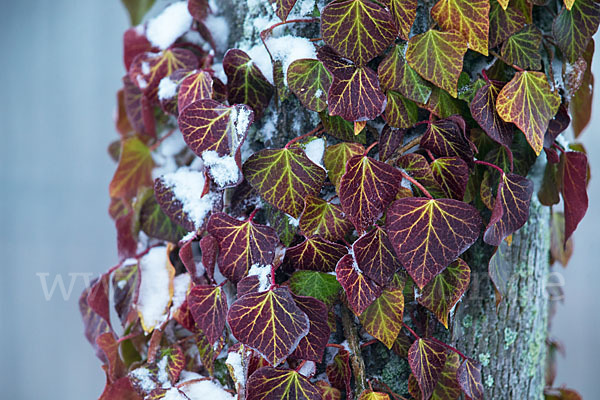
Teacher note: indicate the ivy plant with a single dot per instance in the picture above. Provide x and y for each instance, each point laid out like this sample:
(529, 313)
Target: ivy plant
(258, 272)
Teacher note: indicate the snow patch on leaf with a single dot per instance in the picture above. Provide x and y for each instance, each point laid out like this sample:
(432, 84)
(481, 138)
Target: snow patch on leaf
(314, 151)
(164, 29)
(263, 272)
(223, 170)
(155, 288)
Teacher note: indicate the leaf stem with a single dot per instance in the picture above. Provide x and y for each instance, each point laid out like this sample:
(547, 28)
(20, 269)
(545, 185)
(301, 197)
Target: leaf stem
(162, 139)
(411, 331)
(264, 33)
(410, 145)
(370, 342)
(558, 147)
(417, 184)
(273, 284)
(485, 77)
(487, 164)
(316, 130)
(358, 364)
(253, 214)
(430, 154)
(299, 367)
(370, 148)
(449, 347)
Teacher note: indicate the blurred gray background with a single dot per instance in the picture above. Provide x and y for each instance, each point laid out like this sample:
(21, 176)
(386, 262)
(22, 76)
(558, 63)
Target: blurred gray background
(61, 67)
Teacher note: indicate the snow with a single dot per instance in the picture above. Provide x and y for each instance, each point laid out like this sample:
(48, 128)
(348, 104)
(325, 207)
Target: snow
(143, 378)
(219, 71)
(302, 8)
(234, 360)
(145, 67)
(142, 84)
(174, 394)
(187, 186)
(223, 170)
(308, 369)
(162, 375)
(164, 29)
(263, 272)
(286, 48)
(164, 156)
(239, 118)
(219, 29)
(167, 89)
(181, 285)
(314, 151)
(203, 390)
(354, 263)
(318, 93)
(154, 293)
(293, 221)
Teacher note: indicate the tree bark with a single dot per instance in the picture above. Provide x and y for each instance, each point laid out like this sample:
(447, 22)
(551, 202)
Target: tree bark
(509, 341)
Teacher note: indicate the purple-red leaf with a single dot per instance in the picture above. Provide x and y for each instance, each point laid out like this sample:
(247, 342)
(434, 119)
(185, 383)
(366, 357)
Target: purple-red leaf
(269, 322)
(316, 254)
(312, 346)
(280, 384)
(448, 138)
(429, 234)
(483, 109)
(323, 218)
(427, 359)
(375, 256)
(208, 305)
(360, 290)
(469, 379)
(573, 178)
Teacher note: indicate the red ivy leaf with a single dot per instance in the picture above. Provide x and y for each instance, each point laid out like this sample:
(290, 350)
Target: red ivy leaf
(360, 290)
(469, 17)
(573, 182)
(327, 391)
(427, 359)
(126, 284)
(134, 170)
(357, 29)
(375, 256)
(469, 379)
(339, 372)
(241, 244)
(208, 305)
(447, 387)
(511, 208)
(282, 7)
(404, 13)
(316, 254)
(336, 157)
(138, 109)
(366, 189)
(245, 83)
(196, 86)
(312, 346)
(444, 291)
(280, 384)
(448, 138)
(417, 166)
(389, 140)
(429, 234)
(208, 125)
(269, 322)
(284, 178)
(134, 43)
(483, 109)
(452, 173)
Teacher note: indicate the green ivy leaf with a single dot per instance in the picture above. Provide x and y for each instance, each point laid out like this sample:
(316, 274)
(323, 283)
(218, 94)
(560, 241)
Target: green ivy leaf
(504, 22)
(438, 57)
(336, 157)
(400, 112)
(134, 170)
(320, 285)
(395, 74)
(137, 9)
(325, 219)
(383, 318)
(573, 29)
(310, 82)
(523, 48)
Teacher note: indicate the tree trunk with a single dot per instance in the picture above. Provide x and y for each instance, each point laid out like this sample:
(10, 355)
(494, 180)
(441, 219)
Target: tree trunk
(508, 341)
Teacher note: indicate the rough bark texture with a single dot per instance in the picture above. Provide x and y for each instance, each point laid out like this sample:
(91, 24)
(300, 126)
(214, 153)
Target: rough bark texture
(510, 342)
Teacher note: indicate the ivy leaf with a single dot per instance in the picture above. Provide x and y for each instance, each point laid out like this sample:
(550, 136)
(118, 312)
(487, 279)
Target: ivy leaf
(572, 29)
(483, 110)
(404, 13)
(360, 290)
(417, 166)
(452, 173)
(282, 7)
(528, 102)
(269, 322)
(469, 17)
(138, 109)
(241, 244)
(371, 395)
(148, 69)
(375, 256)
(208, 305)
(383, 318)
(208, 125)
(280, 384)
(155, 223)
(438, 57)
(429, 234)
(341, 129)
(389, 141)
(505, 21)
(134, 170)
(469, 379)
(316, 254)
(327, 391)
(400, 112)
(320, 285)
(560, 249)
(126, 285)
(323, 218)
(137, 9)
(357, 29)
(441, 104)
(312, 346)
(447, 387)
(573, 181)
(310, 82)
(339, 372)
(448, 138)
(245, 83)
(366, 189)
(284, 177)
(426, 359)
(443, 292)
(523, 48)
(581, 102)
(195, 86)
(511, 208)
(500, 271)
(336, 158)
(395, 74)
(355, 94)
